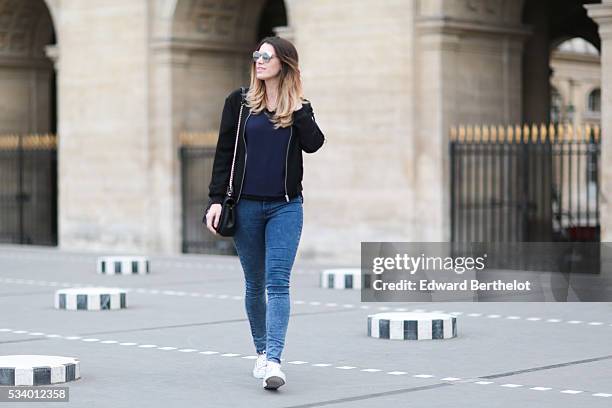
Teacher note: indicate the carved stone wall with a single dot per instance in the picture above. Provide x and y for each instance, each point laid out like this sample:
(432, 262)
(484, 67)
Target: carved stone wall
(217, 23)
(481, 11)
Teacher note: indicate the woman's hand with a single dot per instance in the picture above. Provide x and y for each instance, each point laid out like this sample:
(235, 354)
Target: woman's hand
(212, 217)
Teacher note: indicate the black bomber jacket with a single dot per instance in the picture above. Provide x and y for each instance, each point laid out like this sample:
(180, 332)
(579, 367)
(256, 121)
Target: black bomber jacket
(305, 136)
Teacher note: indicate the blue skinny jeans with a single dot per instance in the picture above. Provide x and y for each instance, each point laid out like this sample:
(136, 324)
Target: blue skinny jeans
(266, 240)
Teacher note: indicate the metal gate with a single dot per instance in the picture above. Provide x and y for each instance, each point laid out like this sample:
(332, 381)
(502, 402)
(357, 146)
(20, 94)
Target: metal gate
(197, 153)
(28, 189)
(525, 184)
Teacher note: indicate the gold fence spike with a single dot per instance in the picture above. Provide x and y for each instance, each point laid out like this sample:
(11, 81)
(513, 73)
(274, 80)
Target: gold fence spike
(461, 133)
(202, 139)
(477, 134)
(517, 134)
(551, 132)
(596, 133)
(587, 132)
(453, 133)
(534, 133)
(570, 132)
(9, 142)
(543, 132)
(470, 133)
(525, 133)
(509, 133)
(184, 138)
(561, 132)
(485, 133)
(494, 134)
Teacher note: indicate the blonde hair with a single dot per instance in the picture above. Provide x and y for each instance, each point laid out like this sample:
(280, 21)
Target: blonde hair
(290, 84)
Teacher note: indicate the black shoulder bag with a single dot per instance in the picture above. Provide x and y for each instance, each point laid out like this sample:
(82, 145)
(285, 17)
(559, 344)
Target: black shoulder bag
(227, 220)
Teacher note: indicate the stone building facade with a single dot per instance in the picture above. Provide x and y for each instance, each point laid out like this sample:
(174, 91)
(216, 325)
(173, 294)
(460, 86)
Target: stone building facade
(387, 79)
(576, 81)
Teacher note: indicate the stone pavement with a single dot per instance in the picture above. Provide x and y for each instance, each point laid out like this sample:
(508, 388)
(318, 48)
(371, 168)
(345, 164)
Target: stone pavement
(184, 341)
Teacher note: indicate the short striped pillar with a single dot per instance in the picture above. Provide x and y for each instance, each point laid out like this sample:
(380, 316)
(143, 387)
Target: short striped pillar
(31, 369)
(91, 298)
(412, 326)
(123, 265)
(343, 278)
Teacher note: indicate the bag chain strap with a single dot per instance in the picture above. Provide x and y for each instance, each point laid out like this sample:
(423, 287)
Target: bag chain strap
(229, 187)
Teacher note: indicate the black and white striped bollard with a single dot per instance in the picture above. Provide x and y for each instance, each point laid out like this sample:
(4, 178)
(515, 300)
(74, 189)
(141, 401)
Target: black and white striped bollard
(123, 265)
(412, 326)
(31, 369)
(91, 298)
(343, 278)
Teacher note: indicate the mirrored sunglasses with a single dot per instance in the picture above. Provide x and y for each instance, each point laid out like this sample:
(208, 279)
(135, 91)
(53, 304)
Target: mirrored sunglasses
(264, 55)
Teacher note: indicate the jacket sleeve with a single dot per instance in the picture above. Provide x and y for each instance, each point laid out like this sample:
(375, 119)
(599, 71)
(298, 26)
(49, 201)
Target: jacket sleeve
(310, 136)
(224, 154)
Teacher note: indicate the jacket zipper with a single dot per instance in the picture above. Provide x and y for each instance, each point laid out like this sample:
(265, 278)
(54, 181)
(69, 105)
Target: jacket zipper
(287, 164)
(245, 156)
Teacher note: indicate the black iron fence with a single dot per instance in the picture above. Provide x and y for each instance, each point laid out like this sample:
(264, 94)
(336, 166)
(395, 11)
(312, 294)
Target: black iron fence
(197, 153)
(525, 184)
(28, 189)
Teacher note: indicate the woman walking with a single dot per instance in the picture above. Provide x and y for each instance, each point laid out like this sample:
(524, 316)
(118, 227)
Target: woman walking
(276, 125)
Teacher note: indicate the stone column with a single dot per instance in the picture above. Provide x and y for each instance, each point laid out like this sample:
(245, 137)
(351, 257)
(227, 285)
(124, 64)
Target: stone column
(602, 14)
(104, 193)
(164, 177)
(356, 63)
(468, 58)
(536, 64)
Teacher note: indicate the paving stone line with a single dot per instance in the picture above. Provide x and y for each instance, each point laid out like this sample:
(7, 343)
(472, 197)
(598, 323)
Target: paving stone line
(154, 263)
(169, 292)
(565, 391)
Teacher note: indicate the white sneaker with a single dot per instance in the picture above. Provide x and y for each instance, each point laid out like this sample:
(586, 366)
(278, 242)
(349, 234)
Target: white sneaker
(259, 371)
(274, 377)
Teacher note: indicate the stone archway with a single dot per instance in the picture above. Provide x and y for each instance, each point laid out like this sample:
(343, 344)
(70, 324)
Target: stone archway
(26, 28)
(28, 164)
(211, 43)
(575, 66)
(200, 52)
(552, 23)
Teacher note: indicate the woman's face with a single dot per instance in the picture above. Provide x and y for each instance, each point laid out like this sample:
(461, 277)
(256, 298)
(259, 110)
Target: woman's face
(270, 69)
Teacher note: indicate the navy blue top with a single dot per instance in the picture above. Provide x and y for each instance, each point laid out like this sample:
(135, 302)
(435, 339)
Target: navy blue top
(264, 177)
